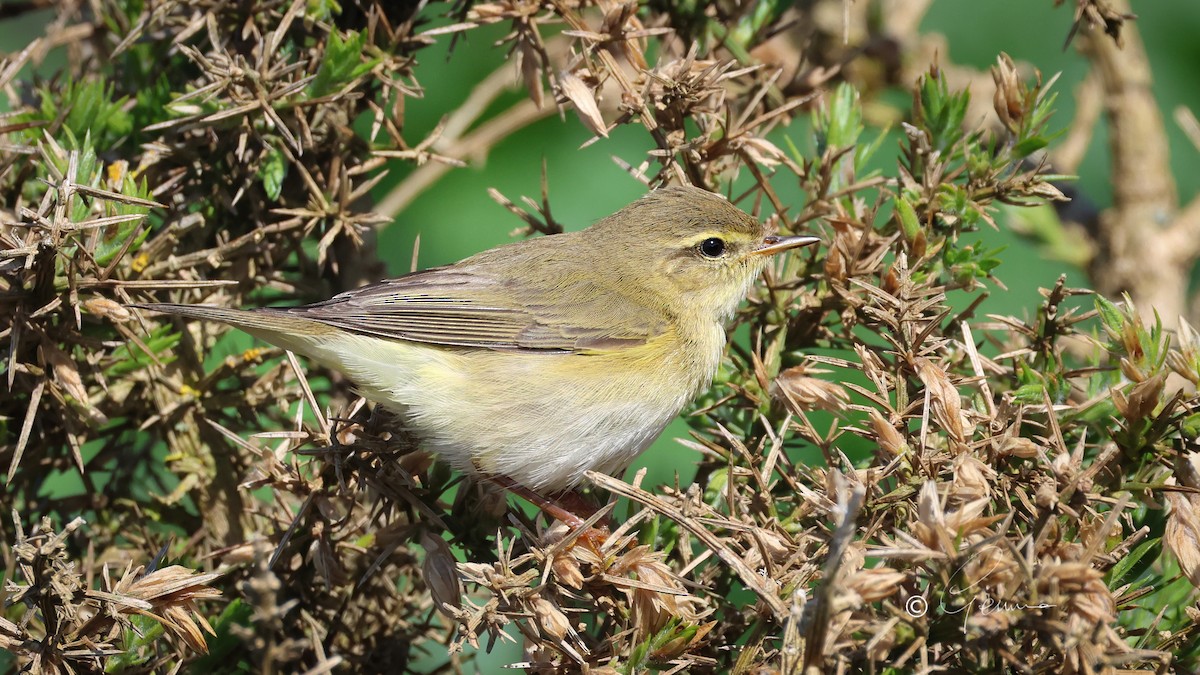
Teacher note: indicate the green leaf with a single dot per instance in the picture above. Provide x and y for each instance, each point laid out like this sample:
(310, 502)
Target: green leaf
(744, 34)
(323, 10)
(272, 171)
(143, 633)
(940, 112)
(909, 224)
(116, 238)
(1116, 575)
(714, 492)
(341, 64)
(843, 123)
(637, 659)
(225, 642)
(1030, 393)
(1110, 315)
(1190, 426)
(1028, 146)
(837, 124)
(87, 109)
(127, 359)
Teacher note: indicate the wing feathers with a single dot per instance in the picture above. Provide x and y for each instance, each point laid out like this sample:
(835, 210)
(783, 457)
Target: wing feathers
(464, 308)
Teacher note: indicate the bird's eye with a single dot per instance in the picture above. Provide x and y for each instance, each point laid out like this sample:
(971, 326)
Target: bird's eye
(712, 247)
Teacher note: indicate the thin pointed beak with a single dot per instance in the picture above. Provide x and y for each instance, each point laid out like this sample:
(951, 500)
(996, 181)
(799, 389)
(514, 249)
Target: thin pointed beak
(775, 244)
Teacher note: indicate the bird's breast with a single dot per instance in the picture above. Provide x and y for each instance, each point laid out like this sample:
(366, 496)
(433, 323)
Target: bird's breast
(541, 418)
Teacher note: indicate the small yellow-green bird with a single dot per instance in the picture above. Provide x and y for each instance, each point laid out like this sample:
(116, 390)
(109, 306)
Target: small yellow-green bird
(533, 362)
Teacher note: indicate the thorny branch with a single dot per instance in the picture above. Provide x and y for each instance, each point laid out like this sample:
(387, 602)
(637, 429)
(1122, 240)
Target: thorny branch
(871, 448)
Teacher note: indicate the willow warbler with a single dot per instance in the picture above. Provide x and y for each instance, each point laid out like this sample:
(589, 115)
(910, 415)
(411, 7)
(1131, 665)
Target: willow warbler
(539, 360)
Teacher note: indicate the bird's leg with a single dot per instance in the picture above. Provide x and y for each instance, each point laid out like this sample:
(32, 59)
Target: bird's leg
(568, 507)
(574, 502)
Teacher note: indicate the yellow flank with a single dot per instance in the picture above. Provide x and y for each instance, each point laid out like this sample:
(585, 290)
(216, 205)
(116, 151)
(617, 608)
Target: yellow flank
(543, 359)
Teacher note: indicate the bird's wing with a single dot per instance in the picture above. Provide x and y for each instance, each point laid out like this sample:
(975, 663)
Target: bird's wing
(453, 306)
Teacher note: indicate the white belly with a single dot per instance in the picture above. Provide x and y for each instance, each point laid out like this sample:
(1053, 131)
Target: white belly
(535, 418)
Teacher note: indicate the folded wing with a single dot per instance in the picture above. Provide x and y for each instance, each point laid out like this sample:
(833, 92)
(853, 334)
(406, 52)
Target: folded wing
(457, 307)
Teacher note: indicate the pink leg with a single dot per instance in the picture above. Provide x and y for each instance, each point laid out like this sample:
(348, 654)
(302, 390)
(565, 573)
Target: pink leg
(568, 507)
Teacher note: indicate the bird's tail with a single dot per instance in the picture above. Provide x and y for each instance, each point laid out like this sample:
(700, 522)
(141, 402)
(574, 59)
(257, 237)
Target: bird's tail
(276, 326)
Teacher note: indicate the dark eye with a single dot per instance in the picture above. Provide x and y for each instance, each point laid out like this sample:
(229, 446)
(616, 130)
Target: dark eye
(712, 247)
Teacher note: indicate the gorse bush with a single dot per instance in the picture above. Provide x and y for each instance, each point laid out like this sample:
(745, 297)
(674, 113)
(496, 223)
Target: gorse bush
(888, 479)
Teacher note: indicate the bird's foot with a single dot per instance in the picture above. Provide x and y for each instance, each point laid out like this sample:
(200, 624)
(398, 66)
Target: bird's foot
(569, 507)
